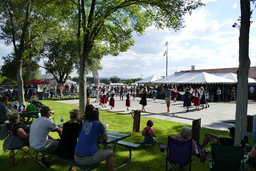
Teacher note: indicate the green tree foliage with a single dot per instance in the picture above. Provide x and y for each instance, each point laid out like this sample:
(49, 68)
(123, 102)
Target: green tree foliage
(23, 24)
(115, 80)
(105, 80)
(76, 79)
(10, 66)
(128, 81)
(60, 56)
(111, 24)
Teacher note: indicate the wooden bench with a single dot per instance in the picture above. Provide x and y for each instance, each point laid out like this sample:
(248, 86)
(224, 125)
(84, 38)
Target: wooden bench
(129, 145)
(69, 161)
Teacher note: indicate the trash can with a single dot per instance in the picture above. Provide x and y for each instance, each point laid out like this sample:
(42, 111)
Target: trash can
(254, 128)
(136, 121)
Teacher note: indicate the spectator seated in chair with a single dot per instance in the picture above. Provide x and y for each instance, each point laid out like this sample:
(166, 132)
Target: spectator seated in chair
(18, 129)
(217, 139)
(184, 136)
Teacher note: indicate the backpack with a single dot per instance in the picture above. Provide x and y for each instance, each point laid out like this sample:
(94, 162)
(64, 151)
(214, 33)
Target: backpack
(148, 138)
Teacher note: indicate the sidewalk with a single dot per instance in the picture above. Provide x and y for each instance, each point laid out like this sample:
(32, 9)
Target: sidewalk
(211, 117)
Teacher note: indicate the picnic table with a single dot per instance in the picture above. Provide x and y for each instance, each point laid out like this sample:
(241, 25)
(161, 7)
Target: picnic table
(115, 138)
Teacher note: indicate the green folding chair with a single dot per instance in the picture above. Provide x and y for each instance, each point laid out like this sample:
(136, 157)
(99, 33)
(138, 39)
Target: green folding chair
(226, 158)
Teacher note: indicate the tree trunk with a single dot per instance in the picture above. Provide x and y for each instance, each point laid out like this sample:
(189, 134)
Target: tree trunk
(244, 65)
(82, 81)
(21, 98)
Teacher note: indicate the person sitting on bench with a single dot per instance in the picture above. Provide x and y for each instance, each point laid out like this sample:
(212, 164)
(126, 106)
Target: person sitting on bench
(217, 139)
(86, 152)
(70, 133)
(39, 139)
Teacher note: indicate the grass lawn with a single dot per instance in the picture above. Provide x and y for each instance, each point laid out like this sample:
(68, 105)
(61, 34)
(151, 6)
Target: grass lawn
(145, 158)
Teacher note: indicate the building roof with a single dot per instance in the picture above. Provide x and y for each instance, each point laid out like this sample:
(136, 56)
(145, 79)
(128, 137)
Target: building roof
(252, 71)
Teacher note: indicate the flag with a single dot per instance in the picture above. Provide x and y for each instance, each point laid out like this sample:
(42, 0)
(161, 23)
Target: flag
(165, 53)
(166, 44)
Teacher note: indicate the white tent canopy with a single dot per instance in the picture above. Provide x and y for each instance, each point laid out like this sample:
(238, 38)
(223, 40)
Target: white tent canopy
(194, 78)
(148, 79)
(169, 79)
(233, 77)
(202, 77)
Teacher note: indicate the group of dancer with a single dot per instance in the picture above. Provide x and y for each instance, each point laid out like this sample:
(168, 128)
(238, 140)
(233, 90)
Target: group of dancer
(198, 97)
(108, 97)
(192, 96)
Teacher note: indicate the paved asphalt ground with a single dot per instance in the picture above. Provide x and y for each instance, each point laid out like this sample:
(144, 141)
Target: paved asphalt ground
(212, 117)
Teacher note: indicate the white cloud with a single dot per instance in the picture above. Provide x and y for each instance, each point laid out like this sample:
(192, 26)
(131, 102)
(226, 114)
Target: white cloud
(234, 6)
(207, 41)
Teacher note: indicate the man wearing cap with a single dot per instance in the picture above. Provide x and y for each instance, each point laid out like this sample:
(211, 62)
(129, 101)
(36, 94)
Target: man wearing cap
(217, 139)
(39, 139)
(184, 136)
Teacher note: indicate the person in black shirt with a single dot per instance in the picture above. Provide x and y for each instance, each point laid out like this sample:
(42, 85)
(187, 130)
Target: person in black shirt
(70, 133)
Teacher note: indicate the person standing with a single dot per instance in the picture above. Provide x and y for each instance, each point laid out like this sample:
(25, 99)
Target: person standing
(143, 100)
(187, 100)
(175, 93)
(153, 93)
(233, 94)
(251, 91)
(167, 96)
(39, 139)
(127, 102)
(3, 109)
(121, 93)
(202, 98)
(218, 92)
(112, 101)
(197, 99)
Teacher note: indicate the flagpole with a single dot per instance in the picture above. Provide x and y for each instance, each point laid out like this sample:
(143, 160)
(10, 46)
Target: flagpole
(166, 58)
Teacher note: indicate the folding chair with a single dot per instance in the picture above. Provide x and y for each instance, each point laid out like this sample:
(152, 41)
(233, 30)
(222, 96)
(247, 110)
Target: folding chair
(226, 158)
(178, 154)
(15, 150)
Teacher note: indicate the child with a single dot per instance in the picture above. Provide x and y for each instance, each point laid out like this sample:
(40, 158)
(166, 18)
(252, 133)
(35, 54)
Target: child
(128, 102)
(197, 100)
(153, 94)
(112, 101)
(103, 99)
(148, 133)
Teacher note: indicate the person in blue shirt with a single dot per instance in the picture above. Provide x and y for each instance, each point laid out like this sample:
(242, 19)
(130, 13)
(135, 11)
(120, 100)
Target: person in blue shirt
(86, 152)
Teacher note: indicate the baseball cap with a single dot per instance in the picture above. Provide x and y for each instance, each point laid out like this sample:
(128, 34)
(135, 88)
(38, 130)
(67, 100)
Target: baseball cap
(150, 122)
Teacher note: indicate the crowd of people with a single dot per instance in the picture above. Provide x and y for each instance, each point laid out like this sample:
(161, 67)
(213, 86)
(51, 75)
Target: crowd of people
(192, 96)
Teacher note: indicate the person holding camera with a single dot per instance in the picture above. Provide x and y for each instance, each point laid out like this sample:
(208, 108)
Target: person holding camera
(39, 139)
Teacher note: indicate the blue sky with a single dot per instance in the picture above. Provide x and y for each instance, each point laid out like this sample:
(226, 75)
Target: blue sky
(208, 41)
